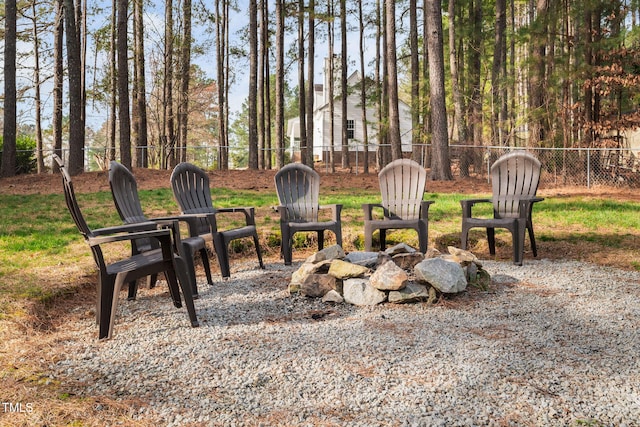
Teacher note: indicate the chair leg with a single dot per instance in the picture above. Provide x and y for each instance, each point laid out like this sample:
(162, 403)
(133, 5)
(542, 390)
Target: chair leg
(320, 240)
(287, 245)
(205, 264)
(338, 233)
(105, 308)
(491, 239)
(133, 289)
(223, 258)
(464, 237)
(423, 236)
(117, 286)
(383, 239)
(190, 268)
(532, 239)
(181, 270)
(368, 238)
(256, 242)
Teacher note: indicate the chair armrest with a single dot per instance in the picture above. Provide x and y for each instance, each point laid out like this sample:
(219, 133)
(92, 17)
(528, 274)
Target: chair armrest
(125, 228)
(467, 205)
(127, 236)
(526, 206)
(249, 213)
(191, 219)
(367, 208)
(336, 209)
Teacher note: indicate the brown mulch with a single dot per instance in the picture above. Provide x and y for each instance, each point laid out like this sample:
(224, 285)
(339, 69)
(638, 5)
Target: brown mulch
(149, 179)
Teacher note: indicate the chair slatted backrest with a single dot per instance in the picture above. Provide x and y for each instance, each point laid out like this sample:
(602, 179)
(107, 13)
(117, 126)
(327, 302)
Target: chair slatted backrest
(191, 190)
(298, 188)
(76, 214)
(125, 193)
(514, 176)
(402, 184)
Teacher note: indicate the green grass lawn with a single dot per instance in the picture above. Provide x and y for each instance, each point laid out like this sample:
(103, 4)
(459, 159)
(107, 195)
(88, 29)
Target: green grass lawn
(42, 253)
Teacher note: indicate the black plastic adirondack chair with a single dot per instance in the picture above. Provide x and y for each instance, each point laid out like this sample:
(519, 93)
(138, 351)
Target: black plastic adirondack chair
(191, 190)
(402, 185)
(298, 188)
(514, 178)
(113, 275)
(124, 190)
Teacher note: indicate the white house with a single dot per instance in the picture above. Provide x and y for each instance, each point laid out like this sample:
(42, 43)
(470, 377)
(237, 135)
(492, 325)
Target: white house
(322, 120)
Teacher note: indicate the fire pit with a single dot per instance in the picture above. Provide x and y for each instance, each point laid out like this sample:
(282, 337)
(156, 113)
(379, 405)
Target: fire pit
(400, 274)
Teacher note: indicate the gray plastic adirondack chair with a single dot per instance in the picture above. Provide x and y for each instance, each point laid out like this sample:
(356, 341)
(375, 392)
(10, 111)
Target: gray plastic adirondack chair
(298, 189)
(113, 275)
(191, 190)
(402, 185)
(514, 178)
(124, 190)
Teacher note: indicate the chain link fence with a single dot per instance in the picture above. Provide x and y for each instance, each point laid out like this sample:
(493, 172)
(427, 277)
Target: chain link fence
(585, 167)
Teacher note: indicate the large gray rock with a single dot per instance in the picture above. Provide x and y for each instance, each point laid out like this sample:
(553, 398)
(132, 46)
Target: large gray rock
(360, 292)
(333, 296)
(413, 292)
(389, 277)
(345, 270)
(305, 270)
(366, 259)
(447, 277)
(317, 285)
(408, 260)
(328, 253)
(400, 248)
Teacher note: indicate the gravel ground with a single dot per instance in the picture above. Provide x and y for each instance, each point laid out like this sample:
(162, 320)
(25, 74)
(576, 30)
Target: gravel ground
(550, 344)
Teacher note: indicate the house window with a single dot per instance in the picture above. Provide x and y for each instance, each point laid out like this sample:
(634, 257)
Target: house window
(351, 128)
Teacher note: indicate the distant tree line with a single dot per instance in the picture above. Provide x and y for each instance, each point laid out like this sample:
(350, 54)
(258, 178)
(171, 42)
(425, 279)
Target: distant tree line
(536, 73)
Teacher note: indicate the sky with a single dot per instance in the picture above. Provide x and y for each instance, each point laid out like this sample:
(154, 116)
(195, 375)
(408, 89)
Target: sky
(154, 27)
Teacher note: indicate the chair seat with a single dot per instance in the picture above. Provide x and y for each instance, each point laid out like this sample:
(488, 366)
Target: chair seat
(313, 226)
(388, 224)
(136, 262)
(490, 222)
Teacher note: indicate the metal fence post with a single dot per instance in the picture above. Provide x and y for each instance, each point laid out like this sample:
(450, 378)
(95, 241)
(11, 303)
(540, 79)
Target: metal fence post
(588, 168)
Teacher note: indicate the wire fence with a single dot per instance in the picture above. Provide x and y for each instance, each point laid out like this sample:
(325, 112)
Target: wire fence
(586, 167)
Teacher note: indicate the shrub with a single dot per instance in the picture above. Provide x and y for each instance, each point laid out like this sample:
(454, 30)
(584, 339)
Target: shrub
(25, 154)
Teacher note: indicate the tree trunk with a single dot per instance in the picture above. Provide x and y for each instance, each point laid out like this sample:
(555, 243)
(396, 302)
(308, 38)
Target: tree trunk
(343, 84)
(223, 158)
(185, 76)
(113, 107)
(363, 93)
(440, 163)
(392, 80)
(58, 81)
(498, 79)
(8, 166)
(331, 86)
(310, 80)
(74, 65)
(141, 136)
(474, 67)
(267, 88)
(301, 91)
(416, 140)
(458, 99)
(168, 127)
(260, 95)
(36, 83)
(280, 84)
(253, 84)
